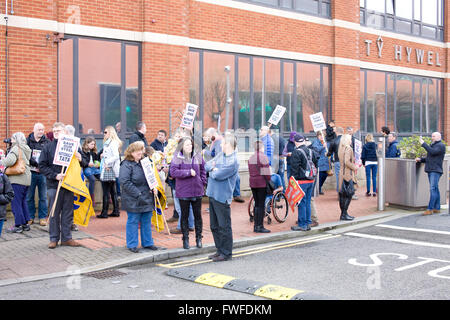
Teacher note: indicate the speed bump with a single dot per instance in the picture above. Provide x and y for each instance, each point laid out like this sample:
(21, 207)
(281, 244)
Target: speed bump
(214, 279)
(274, 292)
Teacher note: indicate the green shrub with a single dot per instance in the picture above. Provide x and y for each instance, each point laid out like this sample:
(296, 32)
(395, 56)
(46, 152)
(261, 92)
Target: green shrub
(411, 147)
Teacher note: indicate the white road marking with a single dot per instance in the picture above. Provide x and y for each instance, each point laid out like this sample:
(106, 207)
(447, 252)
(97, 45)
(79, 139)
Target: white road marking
(412, 229)
(405, 241)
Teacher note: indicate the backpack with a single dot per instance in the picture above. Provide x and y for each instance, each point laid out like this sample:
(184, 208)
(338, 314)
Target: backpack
(311, 170)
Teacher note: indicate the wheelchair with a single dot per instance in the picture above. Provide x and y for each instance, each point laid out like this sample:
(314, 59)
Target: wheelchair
(278, 207)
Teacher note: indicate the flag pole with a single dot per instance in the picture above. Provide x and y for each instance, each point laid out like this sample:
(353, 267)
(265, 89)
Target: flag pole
(57, 193)
(164, 217)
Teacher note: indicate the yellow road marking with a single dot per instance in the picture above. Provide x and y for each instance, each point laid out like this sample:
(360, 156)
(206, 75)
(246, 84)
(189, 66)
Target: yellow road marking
(250, 251)
(214, 279)
(274, 292)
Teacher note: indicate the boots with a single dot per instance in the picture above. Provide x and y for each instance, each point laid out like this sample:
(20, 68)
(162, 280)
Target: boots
(259, 222)
(344, 204)
(105, 204)
(198, 232)
(185, 231)
(115, 202)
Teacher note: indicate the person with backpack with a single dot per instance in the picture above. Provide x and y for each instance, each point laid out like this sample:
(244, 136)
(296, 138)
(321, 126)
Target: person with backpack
(304, 163)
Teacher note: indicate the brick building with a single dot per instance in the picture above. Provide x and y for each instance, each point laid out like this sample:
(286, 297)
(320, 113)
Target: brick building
(363, 63)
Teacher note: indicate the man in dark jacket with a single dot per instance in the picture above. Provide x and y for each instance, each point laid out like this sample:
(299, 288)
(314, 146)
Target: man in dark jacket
(139, 134)
(61, 223)
(160, 142)
(299, 168)
(333, 152)
(433, 166)
(36, 141)
(393, 150)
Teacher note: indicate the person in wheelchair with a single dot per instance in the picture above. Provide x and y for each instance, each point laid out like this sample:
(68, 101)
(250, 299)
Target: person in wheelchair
(276, 179)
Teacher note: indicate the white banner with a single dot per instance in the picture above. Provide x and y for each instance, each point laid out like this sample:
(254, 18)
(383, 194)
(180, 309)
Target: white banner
(65, 149)
(149, 172)
(277, 114)
(318, 122)
(188, 116)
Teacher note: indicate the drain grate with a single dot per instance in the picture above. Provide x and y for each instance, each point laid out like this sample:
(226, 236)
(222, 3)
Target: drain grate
(106, 274)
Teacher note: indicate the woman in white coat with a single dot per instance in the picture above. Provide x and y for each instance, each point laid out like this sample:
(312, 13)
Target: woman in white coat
(109, 171)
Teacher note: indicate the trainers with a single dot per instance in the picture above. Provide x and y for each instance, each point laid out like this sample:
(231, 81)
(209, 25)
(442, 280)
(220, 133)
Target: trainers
(297, 228)
(15, 230)
(355, 197)
(74, 227)
(26, 227)
(368, 194)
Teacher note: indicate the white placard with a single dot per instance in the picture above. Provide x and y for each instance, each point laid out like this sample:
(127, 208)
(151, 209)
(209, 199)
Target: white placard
(149, 173)
(318, 122)
(36, 154)
(358, 151)
(65, 149)
(188, 116)
(277, 114)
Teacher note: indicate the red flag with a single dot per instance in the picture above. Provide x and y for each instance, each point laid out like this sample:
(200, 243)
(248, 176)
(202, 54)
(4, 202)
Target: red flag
(294, 193)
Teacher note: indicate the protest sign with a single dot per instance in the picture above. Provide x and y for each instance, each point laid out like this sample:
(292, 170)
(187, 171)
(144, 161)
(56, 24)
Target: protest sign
(277, 114)
(149, 173)
(294, 193)
(189, 116)
(318, 122)
(65, 149)
(358, 151)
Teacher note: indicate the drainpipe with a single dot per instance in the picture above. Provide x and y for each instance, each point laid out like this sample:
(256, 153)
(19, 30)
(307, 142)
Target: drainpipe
(6, 69)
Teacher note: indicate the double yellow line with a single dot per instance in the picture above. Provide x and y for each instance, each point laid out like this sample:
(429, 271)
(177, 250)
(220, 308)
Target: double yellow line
(246, 252)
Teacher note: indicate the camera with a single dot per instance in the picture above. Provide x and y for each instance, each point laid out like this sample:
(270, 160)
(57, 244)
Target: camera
(8, 144)
(7, 141)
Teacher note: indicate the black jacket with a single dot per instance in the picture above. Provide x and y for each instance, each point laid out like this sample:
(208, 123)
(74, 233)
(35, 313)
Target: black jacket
(289, 148)
(136, 194)
(299, 162)
(138, 136)
(35, 145)
(435, 156)
(334, 149)
(369, 152)
(46, 166)
(86, 157)
(330, 134)
(158, 145)
(6, 195)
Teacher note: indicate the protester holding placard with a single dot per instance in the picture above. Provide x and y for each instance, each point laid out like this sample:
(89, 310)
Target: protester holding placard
(268, 143)
(188, 169)
(138, 200)
(20, 181)
(109, 171)
(60, 223)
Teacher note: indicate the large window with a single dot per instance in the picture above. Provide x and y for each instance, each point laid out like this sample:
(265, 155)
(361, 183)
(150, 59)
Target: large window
(256, 86)
(423, 18)
(315, 7)
(99, 85)
(404, 103)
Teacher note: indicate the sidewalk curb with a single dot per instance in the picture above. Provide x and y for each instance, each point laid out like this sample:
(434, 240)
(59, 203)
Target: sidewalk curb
(162, 255)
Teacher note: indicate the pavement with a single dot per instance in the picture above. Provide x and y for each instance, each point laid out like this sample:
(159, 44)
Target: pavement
(25, 257)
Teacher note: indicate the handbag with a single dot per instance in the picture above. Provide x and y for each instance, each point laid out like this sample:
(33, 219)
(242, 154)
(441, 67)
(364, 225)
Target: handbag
(108, 175)
(18, 168)
(348, 188)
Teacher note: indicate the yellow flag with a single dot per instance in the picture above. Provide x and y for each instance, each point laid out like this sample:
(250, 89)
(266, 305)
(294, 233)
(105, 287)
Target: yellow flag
(82, 204)
(157, 217)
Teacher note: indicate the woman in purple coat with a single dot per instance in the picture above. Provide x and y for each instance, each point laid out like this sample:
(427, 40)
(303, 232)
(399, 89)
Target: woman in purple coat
(188, 170)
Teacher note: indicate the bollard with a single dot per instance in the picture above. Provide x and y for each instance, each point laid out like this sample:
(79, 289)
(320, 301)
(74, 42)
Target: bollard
(381, 192)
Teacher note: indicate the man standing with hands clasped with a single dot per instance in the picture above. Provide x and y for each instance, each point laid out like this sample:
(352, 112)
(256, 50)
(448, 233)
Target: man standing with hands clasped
(433, 166)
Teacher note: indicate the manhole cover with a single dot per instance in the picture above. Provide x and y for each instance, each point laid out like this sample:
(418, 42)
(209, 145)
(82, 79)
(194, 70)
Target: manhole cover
(105, 274)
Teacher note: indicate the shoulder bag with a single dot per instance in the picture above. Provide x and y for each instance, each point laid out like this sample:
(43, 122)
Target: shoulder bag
(18, 168)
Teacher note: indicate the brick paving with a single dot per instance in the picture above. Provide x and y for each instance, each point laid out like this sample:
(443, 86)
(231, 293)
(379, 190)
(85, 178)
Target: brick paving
(104, 240)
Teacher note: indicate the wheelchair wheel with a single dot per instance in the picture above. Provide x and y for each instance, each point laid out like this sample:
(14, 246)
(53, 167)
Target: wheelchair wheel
(251, 209)
(280, 207)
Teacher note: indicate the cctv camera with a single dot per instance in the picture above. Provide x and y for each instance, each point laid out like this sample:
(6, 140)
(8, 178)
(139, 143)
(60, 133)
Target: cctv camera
(227, 68)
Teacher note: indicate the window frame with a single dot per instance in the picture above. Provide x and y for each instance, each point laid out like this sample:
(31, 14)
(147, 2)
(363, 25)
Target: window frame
(280, 7)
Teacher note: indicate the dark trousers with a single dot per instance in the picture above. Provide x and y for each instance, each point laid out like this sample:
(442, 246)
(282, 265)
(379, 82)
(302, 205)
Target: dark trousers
(220, 223)
(259, 195)
(197, 210)
(344, 203)
(323, 175)
(19, 205)
(62, 220)
(109, 188)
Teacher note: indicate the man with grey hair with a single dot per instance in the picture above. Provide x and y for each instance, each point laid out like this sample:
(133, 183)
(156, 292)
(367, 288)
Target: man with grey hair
(36, 141)
(433, 166)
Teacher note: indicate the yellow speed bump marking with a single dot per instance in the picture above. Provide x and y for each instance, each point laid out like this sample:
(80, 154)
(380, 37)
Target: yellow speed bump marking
(274, 292)
(214, 279)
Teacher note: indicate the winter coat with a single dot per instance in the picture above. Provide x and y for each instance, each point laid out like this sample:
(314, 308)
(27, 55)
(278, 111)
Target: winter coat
(136, 194)
(290, 146)
(333, 151)
(186, 185)
(6, 194)
(348, 167)
(111, 156)
(36, 145)
(86, 158)
(320, 149)
(258, 170)
(299, 162)
(46, 166)
(24, 178)
(158, 145)
(393, 151)
(138, 136)
(221, 182)
(369, 152)
(435, 156)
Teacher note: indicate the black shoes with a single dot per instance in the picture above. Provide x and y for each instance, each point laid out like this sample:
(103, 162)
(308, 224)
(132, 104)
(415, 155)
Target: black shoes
(153, 248)
(102, 216)
(26, 227)
(198, 243)
(239, 199)
(261, 229)
(134, 250)
(297, 228)
(220, 258)
(186, 244)
(346, 217)
(215, 255)
(114, 214)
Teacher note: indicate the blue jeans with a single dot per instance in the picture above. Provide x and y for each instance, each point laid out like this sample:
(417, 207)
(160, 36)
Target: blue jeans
(132, 229)
(237, 187)
(337, 168)
(435, 197)
(371, 168)
(39, 181)
(1, 226)
(304, 207)
(281, 174)
(117, 187)
(90, 175)
(288, 171)
(19, 205)
(176, 203)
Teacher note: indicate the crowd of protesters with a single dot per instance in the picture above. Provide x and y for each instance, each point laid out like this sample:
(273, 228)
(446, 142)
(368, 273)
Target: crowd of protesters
(192, 169)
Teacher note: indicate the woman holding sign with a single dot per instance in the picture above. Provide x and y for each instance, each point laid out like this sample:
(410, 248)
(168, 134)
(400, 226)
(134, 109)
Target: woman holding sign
(188, 169)
(137, 198)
